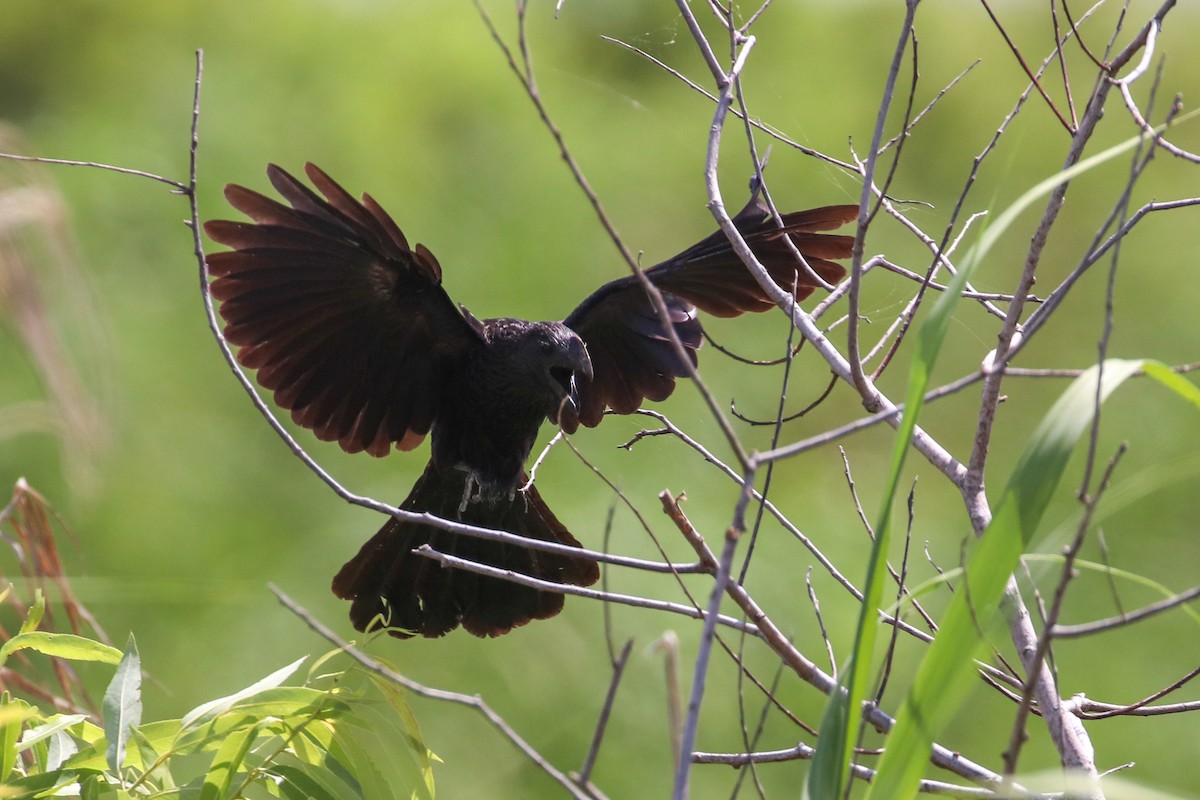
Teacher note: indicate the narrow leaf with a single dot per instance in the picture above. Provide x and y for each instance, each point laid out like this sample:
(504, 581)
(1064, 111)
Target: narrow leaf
(36, 612)
(313, 781)
(408, 720)
(158, 735)
(43, 784)
(1173, 381)
(49, 728)
(212, 708)
(227, 763)
(13, 715)
(370, 729)
(122, 706)
(60, 645)
(835, 748)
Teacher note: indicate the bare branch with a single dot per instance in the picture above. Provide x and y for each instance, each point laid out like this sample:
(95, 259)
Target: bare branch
(805, 752)
(1060, 631)
(455, 562)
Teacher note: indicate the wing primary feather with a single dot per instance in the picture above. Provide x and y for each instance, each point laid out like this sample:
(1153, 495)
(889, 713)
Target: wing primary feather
(347, 325)
(631, 359)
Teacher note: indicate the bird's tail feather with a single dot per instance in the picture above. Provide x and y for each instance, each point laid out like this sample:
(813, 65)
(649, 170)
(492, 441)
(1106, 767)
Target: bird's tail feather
(410, 594)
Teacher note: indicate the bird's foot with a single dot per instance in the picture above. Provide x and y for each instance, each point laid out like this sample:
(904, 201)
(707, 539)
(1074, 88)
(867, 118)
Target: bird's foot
(470, 492)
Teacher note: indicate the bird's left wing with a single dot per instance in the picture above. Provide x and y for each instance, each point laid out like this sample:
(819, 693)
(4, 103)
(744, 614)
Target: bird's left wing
(346, 324)
(632, 356)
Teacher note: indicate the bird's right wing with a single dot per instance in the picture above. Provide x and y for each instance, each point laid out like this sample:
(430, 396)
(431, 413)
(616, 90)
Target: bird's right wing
(346, 324)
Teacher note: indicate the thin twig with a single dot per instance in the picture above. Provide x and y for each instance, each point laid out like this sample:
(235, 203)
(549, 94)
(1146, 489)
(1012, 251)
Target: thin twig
(671, 508)
(1142, 707)
(1060, 631)
(589, 761)
(930, 105)
(807, 670)
(815, 602)
(700, 672)
(182, 188)
(779, 421)
(801, 148)
(1032, 77)
(853, 355)
(668, 644)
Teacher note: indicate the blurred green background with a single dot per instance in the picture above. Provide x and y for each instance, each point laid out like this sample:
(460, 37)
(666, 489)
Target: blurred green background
(183, 505)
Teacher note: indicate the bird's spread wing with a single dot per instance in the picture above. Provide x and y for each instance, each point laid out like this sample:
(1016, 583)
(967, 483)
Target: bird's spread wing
(711, 276)
(346, 324)
(632, 356)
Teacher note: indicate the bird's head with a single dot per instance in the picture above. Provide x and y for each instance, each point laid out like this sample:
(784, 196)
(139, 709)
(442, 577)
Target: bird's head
(563, 363)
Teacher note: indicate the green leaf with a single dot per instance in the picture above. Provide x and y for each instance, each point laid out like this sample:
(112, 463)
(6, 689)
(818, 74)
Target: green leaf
(146, 754)
(825, 774)
(122, 706)
(36, 611)
(291, 706)
(49, 728)
(44, 784)
(61, 645)
(60, 748)
(1045, 560)
(209, 710)
(227, 763)
(369, 730)
(94, 787)
(312, 781)
(1173, 381)
(296, 785)
(158, 735)
(13, 715)
(423, 756)
(946, 673)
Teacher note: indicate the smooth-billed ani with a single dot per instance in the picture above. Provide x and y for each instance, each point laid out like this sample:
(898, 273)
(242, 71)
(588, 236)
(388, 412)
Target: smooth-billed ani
(351, 329)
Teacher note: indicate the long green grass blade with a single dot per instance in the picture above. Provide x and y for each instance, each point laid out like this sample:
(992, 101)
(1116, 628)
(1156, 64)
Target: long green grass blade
(835, 749)
(946, 673)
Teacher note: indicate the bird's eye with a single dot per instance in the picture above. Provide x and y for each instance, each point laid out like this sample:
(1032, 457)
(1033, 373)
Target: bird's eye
(547, 347)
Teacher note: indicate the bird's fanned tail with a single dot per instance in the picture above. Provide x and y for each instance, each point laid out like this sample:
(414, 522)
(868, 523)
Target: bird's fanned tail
(410, 594)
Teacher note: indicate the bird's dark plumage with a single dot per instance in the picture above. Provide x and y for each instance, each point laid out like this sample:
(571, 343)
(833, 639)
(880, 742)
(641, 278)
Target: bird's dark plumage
(350, 328)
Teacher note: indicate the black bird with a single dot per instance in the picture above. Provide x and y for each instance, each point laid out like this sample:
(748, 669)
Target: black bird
(351, 329)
